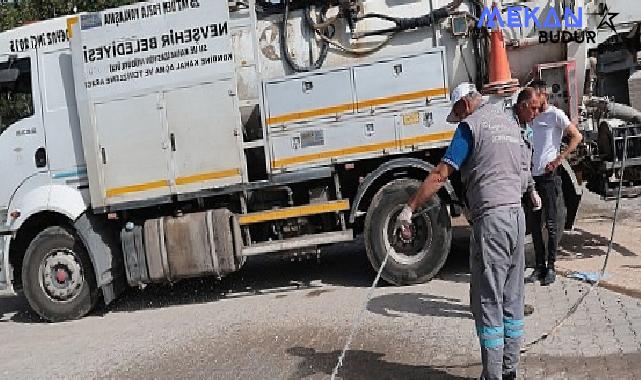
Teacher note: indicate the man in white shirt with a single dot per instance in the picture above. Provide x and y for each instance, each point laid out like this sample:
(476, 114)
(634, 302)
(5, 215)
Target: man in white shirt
(548, 130)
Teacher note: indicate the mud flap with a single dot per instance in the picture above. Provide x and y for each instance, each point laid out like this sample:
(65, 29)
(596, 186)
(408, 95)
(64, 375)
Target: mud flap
(4, 261)
(101, 242)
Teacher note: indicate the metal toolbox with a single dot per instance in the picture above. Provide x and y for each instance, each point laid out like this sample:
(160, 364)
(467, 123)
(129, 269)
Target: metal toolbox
(309, 97)
(334, 142)
(163, 120)
(401, 80)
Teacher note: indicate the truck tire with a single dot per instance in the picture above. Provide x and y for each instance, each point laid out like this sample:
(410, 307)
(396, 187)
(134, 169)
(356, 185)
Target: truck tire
(58, 277)
(414, 261)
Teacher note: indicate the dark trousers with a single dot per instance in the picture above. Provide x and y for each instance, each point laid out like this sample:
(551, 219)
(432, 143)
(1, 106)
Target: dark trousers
(547, 186)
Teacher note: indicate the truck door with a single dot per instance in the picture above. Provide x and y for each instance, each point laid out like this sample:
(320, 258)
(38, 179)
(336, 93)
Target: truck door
(22, 138)
(133, 148)
(204, 123)
(60, 113)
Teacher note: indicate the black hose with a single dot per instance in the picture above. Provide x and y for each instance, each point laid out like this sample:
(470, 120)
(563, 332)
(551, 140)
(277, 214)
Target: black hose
(324, 50)
(481, 46)
(403, 24)
(467, 69)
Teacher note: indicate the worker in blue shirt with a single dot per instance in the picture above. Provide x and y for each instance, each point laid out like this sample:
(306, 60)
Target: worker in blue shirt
(495, 165)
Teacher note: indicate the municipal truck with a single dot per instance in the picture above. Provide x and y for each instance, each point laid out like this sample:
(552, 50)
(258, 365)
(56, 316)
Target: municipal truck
(173, 139)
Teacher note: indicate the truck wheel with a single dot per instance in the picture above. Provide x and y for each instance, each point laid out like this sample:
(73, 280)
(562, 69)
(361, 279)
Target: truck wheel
(58, 277)
(414, 260)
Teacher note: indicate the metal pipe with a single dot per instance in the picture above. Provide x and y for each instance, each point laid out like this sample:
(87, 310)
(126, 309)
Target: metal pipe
(433, 23)
(523, 42)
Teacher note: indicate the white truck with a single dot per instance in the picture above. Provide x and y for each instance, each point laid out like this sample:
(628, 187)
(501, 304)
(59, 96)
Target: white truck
(174, 139)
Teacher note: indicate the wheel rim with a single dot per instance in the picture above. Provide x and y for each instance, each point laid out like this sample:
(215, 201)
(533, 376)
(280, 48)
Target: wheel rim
(407, 251)
(60, 274)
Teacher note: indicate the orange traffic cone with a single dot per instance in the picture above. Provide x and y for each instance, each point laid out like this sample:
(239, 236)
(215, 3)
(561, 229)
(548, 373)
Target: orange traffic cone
(501, 82)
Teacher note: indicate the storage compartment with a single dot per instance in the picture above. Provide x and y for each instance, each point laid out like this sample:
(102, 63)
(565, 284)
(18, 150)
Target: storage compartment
(296, 99)
(425, 127)
(175, 144)
(402, 80)
(324, 144)
(205, 138)
(136, 167)
(159, 114)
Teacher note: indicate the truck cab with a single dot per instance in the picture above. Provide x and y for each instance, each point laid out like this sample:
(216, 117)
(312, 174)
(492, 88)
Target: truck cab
(41, 157)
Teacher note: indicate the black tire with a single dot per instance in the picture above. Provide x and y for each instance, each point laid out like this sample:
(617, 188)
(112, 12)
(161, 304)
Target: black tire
(60, 246)
(433, 235)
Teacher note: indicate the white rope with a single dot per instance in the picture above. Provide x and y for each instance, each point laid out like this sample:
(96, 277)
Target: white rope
(359, 316)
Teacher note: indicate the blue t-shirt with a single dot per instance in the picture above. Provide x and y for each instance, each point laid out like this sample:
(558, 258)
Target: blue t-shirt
(460, 147)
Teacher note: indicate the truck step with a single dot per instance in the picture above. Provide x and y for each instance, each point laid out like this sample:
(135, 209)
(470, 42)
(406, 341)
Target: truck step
(298, 242)
(293, 212)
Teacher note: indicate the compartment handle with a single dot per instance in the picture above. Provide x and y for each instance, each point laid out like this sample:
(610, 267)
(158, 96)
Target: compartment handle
(308, 86)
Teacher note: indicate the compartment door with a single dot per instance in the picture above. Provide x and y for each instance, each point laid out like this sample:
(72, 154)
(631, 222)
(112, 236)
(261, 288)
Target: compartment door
(133, 151)
(313, 96)
(204, 128)
(400, 81)
(323, 145)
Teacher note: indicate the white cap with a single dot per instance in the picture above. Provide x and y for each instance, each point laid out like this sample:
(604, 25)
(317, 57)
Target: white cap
(461, 91)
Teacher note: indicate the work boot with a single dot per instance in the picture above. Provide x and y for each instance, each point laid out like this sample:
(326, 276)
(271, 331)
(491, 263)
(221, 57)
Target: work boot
(537, 274)
(550, 277)
(510, 376)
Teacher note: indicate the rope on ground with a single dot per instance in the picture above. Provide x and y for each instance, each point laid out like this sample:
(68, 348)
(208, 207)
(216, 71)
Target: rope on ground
(359, 316)
(580, 300)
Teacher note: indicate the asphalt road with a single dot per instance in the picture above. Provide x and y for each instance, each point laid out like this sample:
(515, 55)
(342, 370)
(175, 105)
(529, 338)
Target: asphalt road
(278, 319)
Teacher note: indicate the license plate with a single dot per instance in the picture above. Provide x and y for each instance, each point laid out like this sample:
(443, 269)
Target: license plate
(411, 118)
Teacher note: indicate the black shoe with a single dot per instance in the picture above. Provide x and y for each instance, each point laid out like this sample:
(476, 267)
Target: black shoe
(537, 274)
(510, 376)
(550, 277)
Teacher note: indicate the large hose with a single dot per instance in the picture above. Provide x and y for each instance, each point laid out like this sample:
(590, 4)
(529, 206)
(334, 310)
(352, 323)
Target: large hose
(623, 112)
(324, 50)
(403, 24)
(326, 29)
(615, 110)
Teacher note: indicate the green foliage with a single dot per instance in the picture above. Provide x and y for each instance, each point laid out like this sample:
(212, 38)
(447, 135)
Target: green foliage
(14, 107)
